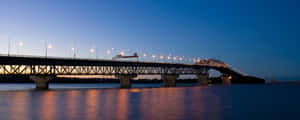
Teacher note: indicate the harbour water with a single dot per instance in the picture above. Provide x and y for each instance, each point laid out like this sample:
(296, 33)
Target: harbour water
(186, 102)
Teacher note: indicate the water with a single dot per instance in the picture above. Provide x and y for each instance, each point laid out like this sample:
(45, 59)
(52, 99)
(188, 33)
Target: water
(219, 102)
(58, 86)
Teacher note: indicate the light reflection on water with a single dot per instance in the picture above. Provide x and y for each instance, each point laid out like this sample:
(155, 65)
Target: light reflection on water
(210, 102)
(31, 86)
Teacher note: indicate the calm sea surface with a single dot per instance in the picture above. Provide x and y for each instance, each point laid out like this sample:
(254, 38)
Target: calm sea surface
(92, 102)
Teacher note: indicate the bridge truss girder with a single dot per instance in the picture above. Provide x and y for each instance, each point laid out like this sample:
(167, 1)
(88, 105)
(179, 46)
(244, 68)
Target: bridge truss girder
(96, 70)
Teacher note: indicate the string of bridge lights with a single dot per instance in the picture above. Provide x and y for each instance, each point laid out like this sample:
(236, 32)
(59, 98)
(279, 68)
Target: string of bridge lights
(141, 56)
(144, 56)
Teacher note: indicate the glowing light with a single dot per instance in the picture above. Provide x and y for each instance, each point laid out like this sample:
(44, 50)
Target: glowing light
(108, 52)
(21, 44)
(169, 57)
(153, 56)
(92, 50)
(161, 57)
(134, 90)
(49, 46)
(198, 60)
(112, 49)
(174, 58)
(145, 55)
(122, 53)
(73, 49)
(180, 59)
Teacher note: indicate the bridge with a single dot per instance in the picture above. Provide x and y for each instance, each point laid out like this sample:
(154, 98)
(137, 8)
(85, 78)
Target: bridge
(42, 70)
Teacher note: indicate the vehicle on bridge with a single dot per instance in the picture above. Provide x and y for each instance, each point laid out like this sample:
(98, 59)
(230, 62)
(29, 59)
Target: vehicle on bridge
(135, 55)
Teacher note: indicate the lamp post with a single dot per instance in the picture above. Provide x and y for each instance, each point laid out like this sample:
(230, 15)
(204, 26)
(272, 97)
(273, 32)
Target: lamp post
(189, 60)
(169, 58)
(108, 52)
(162, 58)
(180, 59)
(174, 59)
(74, 52)
(8, 46)
(194, 60)
(48, 46)
(154, 56)
(20, 46)
(92, 50)
(198, 60)
(96, 53)
(144, 56)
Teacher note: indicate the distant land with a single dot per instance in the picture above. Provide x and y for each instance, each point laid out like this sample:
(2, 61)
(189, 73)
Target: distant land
(294, 81)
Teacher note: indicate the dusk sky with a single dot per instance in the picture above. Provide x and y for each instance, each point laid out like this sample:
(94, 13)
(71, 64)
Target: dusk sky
(258, 37)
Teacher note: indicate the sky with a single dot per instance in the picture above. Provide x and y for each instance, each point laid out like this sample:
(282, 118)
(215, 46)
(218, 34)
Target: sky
(257, 37)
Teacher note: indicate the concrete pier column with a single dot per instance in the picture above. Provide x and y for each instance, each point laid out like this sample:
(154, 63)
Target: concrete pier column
(226, 79)
(202, 79)
(169, 80)
(42, 81)
(125, 80)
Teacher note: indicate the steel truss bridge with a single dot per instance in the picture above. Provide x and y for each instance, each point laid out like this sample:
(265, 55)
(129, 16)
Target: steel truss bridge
(41, 69)
(63, 66)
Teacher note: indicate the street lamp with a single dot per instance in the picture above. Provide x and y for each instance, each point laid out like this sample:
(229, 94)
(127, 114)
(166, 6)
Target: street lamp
(144, 56)
(74, 52)
(169, 57)
(154, 56)
(194, 60)
(8, 46)
(92, 50)
(108, 52)
(180, 59)
(198, 60)
(49, 46)
(161, 57)
(190, 60)
(20, 46)
(174, 59)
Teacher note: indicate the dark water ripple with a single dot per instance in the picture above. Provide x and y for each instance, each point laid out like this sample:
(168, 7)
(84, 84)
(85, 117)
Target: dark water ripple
(259, 102)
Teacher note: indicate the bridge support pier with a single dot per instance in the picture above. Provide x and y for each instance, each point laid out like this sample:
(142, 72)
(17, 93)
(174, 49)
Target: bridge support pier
(169, 80)
(42, 81)
(202, 79)
(226, 79)
(125, 80)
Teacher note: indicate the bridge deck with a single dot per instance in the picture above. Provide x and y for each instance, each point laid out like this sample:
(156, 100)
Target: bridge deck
(13, 60)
